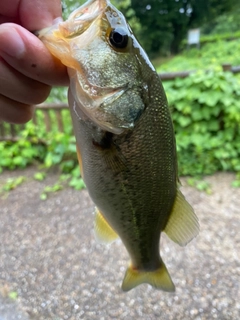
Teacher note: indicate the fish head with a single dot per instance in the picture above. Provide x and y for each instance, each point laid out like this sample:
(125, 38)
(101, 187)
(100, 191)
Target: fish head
(107, 67)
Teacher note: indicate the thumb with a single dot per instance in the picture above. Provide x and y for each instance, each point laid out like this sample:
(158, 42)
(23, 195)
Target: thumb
(38, 14)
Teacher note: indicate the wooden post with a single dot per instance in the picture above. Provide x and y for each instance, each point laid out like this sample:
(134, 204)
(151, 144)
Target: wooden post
(227, 67)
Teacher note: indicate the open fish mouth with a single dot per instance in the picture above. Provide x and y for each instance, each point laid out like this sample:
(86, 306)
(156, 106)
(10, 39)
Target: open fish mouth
(77, 23)
(81, 18)
(83, 43)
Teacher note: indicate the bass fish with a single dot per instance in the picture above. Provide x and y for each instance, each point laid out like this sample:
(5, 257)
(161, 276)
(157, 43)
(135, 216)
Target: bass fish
(125, 138)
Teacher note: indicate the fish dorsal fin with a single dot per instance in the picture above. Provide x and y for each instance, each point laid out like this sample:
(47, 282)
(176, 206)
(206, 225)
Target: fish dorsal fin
(182, 225)
(103, 231)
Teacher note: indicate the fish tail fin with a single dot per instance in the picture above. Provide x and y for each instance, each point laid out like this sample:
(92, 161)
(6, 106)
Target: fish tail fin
(159, 278)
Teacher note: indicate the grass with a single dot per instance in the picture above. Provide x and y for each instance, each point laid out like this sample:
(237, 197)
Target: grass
(210, 56)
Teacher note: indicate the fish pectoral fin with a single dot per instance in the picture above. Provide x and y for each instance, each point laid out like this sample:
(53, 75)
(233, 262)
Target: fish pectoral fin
(102, 230)
(159, 279)
(182, 225)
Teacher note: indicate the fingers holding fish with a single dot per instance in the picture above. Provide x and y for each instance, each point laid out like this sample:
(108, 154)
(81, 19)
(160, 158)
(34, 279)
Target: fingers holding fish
(27, 72)
(31, 14)
(24, 52)
(21, 88)
(13, 111)
(18, 93)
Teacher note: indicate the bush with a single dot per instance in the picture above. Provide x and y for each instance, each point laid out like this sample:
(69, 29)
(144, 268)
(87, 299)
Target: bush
(205, 39)
(206, 115)
(36, 146)
(208, 57)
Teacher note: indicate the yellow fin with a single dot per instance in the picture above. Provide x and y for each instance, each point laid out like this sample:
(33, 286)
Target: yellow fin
(159, 279)
(80, 160)
(103, 231)
(182, 225)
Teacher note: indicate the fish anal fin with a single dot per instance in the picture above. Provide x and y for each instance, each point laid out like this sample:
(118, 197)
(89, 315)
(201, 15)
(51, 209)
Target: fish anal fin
(182, 225)
(103, 231)
(159, 279)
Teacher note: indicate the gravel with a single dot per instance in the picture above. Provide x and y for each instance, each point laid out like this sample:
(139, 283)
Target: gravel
(52, 268)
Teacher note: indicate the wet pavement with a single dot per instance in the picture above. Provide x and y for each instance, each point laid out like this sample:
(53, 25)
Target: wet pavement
(51, 267)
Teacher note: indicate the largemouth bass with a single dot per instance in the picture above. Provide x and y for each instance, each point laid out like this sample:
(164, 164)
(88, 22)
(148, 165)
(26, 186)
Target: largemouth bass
(125, 138)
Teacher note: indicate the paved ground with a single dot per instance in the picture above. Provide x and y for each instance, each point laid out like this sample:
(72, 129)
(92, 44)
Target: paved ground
(49, 257)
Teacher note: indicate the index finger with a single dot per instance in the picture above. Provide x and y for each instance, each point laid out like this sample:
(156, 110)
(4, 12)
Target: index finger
(27, 54)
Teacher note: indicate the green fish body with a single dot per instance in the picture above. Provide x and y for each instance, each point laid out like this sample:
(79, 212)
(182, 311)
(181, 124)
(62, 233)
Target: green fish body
(125, 138)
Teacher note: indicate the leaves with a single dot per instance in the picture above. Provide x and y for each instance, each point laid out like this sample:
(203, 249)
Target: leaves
(209, 57)
(76, 181)
(206, 115)
(35, 145)
(13, 183)
(200, 184)
(13, 295)
(50, 189)
(40, 176)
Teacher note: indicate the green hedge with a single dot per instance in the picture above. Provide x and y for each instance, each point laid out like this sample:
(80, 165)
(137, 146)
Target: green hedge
(210, 56)
(206, 115)
(204, 39)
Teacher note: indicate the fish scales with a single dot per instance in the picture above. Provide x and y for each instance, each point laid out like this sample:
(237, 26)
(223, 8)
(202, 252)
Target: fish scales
(144, 180)
(125, 138)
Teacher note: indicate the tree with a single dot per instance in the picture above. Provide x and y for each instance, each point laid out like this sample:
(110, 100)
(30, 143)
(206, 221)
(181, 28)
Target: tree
(165, 22)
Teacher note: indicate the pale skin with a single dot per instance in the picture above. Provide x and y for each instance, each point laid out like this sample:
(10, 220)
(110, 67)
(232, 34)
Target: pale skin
(27, 69)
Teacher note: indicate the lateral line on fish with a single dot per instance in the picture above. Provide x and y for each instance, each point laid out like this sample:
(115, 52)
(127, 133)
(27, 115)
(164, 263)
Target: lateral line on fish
(136, 231)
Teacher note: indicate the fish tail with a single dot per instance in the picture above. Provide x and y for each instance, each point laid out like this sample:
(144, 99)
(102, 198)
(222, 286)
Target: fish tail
(159, 278)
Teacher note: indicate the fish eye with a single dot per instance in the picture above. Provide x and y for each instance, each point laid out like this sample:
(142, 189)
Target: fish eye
(118, 38)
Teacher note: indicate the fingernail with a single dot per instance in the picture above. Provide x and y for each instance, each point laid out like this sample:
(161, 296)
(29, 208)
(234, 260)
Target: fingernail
(11, 42)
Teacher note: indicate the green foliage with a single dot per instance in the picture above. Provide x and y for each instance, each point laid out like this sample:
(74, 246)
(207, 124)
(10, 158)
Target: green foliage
(39, 176)
(200, 184)
(13, 295)
(70, 5)
(50, 189)
(165, 23)
(236, 182)
(205, 107)
(205, 39)
(206, 115)
(76, 181)
(123, 5)
(13, 183)
(58, 94)
(26, 151)
(227, 23)
(35, 146)
(162, 25)
(208, 57)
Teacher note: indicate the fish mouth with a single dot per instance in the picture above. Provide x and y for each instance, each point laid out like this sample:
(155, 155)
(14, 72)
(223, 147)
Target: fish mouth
(68, 40)
(80, 19)
(58, 37)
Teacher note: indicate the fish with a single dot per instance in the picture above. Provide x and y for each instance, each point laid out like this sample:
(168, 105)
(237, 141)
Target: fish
(125, 139)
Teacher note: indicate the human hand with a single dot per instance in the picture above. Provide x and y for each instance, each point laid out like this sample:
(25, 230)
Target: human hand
(27, 69)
